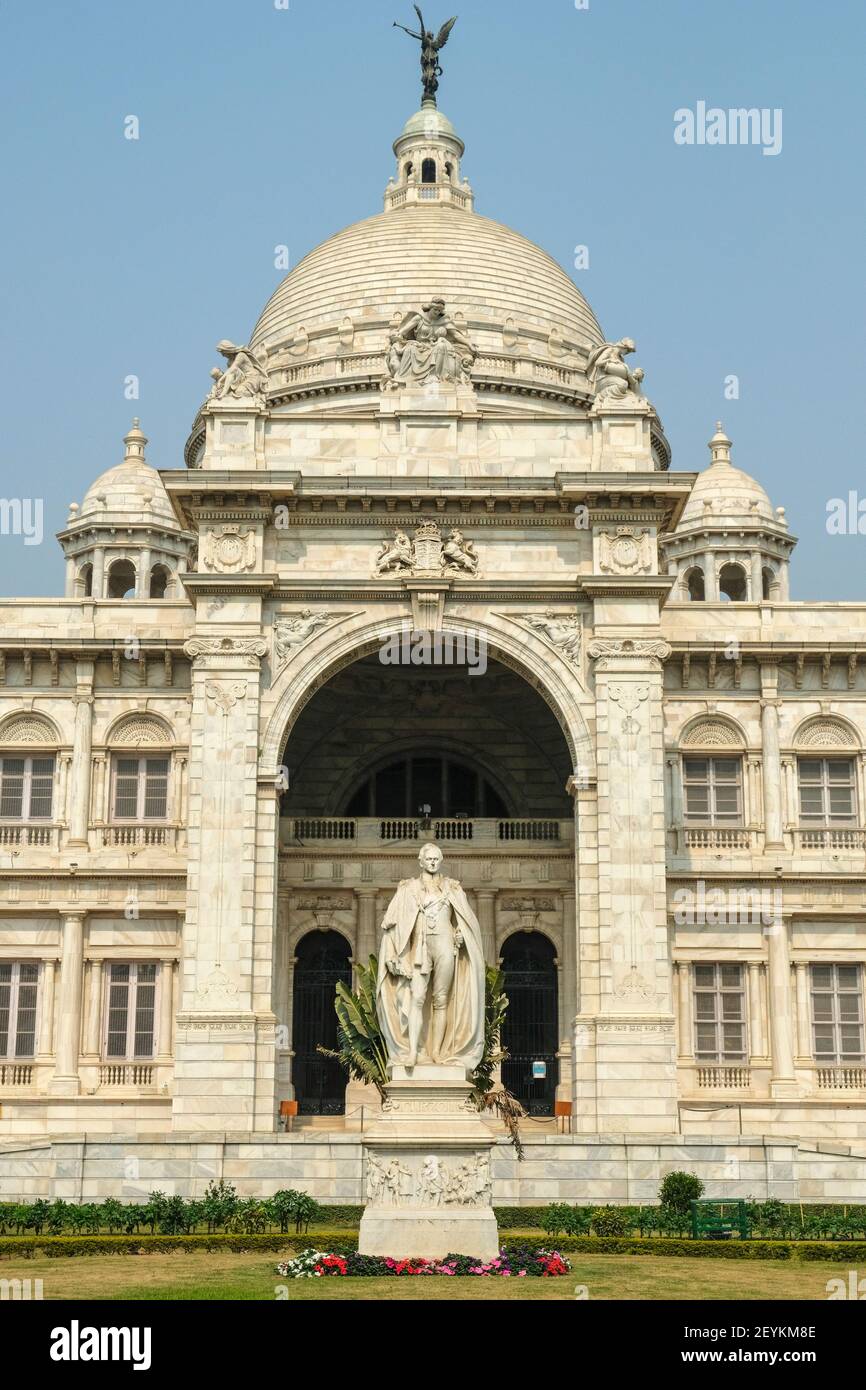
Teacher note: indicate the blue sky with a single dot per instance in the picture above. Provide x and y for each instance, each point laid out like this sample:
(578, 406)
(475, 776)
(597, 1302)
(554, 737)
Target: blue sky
(261, 126)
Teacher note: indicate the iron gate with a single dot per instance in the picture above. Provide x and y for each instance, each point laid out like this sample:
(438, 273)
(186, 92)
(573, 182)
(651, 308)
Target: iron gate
(320, 1083)
(530, 1030)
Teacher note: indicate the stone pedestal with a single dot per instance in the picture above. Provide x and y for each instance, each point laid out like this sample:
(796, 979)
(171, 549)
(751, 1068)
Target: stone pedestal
(427, 1161)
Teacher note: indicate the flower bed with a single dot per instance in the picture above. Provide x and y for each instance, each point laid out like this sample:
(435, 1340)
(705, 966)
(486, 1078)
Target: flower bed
(517, 1262)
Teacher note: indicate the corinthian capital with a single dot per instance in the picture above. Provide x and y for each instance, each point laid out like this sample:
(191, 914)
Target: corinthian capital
(208, 651)
(617, 653)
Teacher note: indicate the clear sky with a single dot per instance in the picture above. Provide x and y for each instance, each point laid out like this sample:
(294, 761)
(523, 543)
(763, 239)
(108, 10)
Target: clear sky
(262, 124)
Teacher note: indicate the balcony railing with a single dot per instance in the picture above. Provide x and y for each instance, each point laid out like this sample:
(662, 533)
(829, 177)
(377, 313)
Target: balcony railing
(31, 835)
(126, 1074)
(829, 837)
(16, 1074)
(140, 835)
(715, 837)
(841, 1078)
(722, 1078)
(373, 831)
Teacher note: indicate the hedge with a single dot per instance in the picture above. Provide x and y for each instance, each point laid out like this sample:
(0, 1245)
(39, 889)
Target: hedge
(338, 1240)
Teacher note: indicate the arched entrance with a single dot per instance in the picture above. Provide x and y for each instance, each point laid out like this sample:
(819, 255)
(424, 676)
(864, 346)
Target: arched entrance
(323, 958)
(530, 1032)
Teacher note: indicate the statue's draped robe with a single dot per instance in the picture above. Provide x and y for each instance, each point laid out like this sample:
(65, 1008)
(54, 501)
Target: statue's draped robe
(464, 1028)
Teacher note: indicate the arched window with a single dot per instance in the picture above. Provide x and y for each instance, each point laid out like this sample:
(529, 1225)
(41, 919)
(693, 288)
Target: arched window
(428, 171)
(448, 787)
(322, 959)
(695, 584)
(84, 582)
(530, 1029)
(732, 583)
(769, 583)
(121, 579)
(27, 767)
(159, 581)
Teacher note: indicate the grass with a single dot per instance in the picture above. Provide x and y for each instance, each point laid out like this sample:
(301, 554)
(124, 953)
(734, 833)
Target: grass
(205, 1275)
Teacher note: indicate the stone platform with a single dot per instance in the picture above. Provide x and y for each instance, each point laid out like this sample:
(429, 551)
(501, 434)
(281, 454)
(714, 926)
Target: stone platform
(427, 1170)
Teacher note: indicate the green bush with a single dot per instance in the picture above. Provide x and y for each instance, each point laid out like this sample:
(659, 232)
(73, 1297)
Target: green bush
(610, 1221)
(561, 1219)
(679, 1189)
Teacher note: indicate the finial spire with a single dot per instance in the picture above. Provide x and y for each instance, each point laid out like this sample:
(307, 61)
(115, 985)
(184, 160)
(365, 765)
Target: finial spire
(720, 446)
(431, 44)
(134, 443)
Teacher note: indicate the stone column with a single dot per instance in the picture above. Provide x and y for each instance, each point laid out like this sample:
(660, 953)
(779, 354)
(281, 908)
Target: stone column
(94, 1010)
(772, 764)
(225, 1046)
(46, 1009)
(783, 1080)
(367, 923)
(757, 1044)
(683, 971)
(804, 1021)
(485, 906)
(66, 1080)
(166, 1010)
(757, 576)
(711, 582)
(97, 584)
(79, 815)
(142, 574)
(636, 1043)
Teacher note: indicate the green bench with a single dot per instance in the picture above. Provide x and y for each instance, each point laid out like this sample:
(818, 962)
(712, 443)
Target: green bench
(715, 1220)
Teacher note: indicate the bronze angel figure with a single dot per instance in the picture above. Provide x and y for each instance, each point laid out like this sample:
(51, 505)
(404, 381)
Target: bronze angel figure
(431, 68)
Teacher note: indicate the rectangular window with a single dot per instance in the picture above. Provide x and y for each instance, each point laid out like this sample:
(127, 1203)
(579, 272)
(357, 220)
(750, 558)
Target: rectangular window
(713, 791)
(141, 788)
(828, 791)
(837, 1013)
(26, 788)
(130, 1011)
(719, 1013)
(19, 984)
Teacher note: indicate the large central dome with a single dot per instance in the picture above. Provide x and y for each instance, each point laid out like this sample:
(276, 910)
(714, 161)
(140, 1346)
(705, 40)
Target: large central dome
(501, 283)
(328, 326)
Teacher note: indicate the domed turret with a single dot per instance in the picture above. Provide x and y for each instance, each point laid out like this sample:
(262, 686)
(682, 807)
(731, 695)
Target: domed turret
(730, 543)
(125, 541)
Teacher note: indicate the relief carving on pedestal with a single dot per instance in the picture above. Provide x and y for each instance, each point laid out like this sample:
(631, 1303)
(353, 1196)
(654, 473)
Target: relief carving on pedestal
(428, 1181)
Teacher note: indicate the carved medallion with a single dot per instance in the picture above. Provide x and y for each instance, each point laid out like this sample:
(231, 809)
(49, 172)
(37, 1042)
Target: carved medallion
(229, 550)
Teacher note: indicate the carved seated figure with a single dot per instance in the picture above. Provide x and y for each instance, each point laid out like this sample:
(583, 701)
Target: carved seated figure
(610, 376)
(429, 347)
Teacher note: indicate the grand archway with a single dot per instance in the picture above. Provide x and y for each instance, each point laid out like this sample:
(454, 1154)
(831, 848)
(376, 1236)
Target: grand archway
(379, 759)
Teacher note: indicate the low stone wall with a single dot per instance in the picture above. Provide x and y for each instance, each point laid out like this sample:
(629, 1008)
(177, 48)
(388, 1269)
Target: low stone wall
(556, 1168)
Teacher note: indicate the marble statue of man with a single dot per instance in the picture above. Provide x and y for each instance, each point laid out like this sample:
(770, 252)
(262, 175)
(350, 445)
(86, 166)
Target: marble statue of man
(430, 990)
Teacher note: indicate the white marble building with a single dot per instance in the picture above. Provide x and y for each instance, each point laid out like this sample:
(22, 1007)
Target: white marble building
(654, 792)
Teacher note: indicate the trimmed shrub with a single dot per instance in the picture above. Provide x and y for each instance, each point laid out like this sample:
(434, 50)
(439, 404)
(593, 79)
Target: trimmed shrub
(679, 1189)
(610, 1221)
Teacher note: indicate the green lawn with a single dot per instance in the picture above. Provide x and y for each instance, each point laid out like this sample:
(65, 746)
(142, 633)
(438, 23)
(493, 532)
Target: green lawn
(218, 1275)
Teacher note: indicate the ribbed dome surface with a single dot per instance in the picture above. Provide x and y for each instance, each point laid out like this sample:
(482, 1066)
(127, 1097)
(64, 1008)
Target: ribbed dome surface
(398, 260)
(131, 489)
(730, 493)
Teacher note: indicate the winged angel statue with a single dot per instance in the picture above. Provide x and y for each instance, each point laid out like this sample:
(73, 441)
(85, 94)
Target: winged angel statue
(431, 68)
